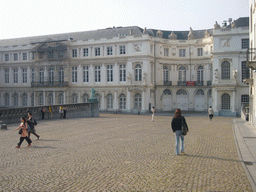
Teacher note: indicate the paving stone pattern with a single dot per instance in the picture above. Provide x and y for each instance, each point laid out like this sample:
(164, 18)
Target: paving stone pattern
(122, 153)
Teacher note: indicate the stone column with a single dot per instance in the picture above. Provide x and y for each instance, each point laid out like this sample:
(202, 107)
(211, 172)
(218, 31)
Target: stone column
(79, 97)
(233, 102)
(10, 99)
(44, 98)
(215, 101)
(64, 97)
(115, 101)
(54, 99)
(103, 107)
(143, 101)
(128, 101)
(19, 100)
(29, 98)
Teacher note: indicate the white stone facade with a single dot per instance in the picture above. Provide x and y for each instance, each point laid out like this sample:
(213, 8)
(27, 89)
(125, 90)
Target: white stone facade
(252, 63)
(131, 69)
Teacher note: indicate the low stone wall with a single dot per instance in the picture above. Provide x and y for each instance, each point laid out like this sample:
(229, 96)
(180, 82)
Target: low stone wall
(80, 110)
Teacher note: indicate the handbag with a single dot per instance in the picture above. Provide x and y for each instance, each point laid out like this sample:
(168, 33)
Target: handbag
(20, 131)
(184, 128)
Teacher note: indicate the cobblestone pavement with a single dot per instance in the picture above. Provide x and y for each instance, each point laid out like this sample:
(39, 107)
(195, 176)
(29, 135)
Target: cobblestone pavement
(122, 153)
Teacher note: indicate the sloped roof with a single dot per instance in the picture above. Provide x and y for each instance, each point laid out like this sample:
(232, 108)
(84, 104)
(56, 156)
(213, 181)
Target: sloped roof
(112, 32)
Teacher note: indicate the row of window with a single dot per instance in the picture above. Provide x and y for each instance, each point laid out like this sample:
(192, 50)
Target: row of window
(225, 72)
(182, 52)
(97, 51)
(225, 99)
(24, 57)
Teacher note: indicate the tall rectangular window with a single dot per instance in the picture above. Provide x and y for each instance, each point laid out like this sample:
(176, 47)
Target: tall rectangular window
(24, 76)
(6, 75)
(86, 52)
(86, 73)
(122, 70)
(15, 56)
(166, 52)
(122, 49)
(109, 51)
(109, 73)
(6, 57)
(200, 52)
(74, 74)
(15, 75)
(182, 52)
(166, 74)
(245, 71)
(97, 73)
(245, 43)
(74, 52)
(97, 51)
(24, 56)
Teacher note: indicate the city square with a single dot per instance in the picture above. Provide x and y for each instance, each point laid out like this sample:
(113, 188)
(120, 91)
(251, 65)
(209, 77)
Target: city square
(117, 152)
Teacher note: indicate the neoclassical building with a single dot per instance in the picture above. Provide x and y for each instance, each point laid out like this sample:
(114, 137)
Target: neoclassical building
(251, 62)
(131, 69)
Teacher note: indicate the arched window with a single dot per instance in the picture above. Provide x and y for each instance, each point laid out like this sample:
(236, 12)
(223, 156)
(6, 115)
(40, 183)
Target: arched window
(74, 98)
(166, 92)
(166, 74)
(50, 99)
(110, 100)
(138, 73)
(225, 70)
(200, 92)
(181, 92)
(15, 100)
(41, 99)
(122, 101)
(137, 101)
(41, 75)
(182, 74)
(60, 99)
(85, 98)
(6, 100)
(24, 99)
(51, 75)
(61, 75)
(225, 101)
(200, 74)
(98, 97)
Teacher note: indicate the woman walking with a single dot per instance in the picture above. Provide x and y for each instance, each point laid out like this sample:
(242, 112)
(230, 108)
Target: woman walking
(177, 122)
(153, 110)
(24, 133)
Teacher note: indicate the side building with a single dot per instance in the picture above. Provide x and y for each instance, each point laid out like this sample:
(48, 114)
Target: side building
(251, 62)
(131, 69)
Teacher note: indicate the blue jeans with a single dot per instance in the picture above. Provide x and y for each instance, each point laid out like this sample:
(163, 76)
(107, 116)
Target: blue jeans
(179, 136)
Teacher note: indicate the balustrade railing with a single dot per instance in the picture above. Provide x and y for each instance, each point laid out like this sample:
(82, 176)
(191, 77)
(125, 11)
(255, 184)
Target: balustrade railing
(11, 115)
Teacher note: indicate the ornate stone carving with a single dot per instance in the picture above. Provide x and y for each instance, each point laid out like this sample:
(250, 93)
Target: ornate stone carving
(225, 42)
(131, 32)
(191, 34)
(233, 24)
(159, 33)
(172, 36)
(145, 30)
(207, 34)
(137, 47)
(216, 25)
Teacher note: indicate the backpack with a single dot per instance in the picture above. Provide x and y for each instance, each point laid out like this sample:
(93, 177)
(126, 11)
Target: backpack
(35, 123)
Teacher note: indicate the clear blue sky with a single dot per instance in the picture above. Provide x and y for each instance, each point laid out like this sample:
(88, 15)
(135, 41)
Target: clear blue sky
(23, 18)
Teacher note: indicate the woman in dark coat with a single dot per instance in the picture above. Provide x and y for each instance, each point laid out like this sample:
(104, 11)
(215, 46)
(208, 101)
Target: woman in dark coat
(176, 128)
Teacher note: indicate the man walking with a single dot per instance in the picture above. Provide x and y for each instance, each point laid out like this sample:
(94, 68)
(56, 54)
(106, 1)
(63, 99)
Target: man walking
(210, 113)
